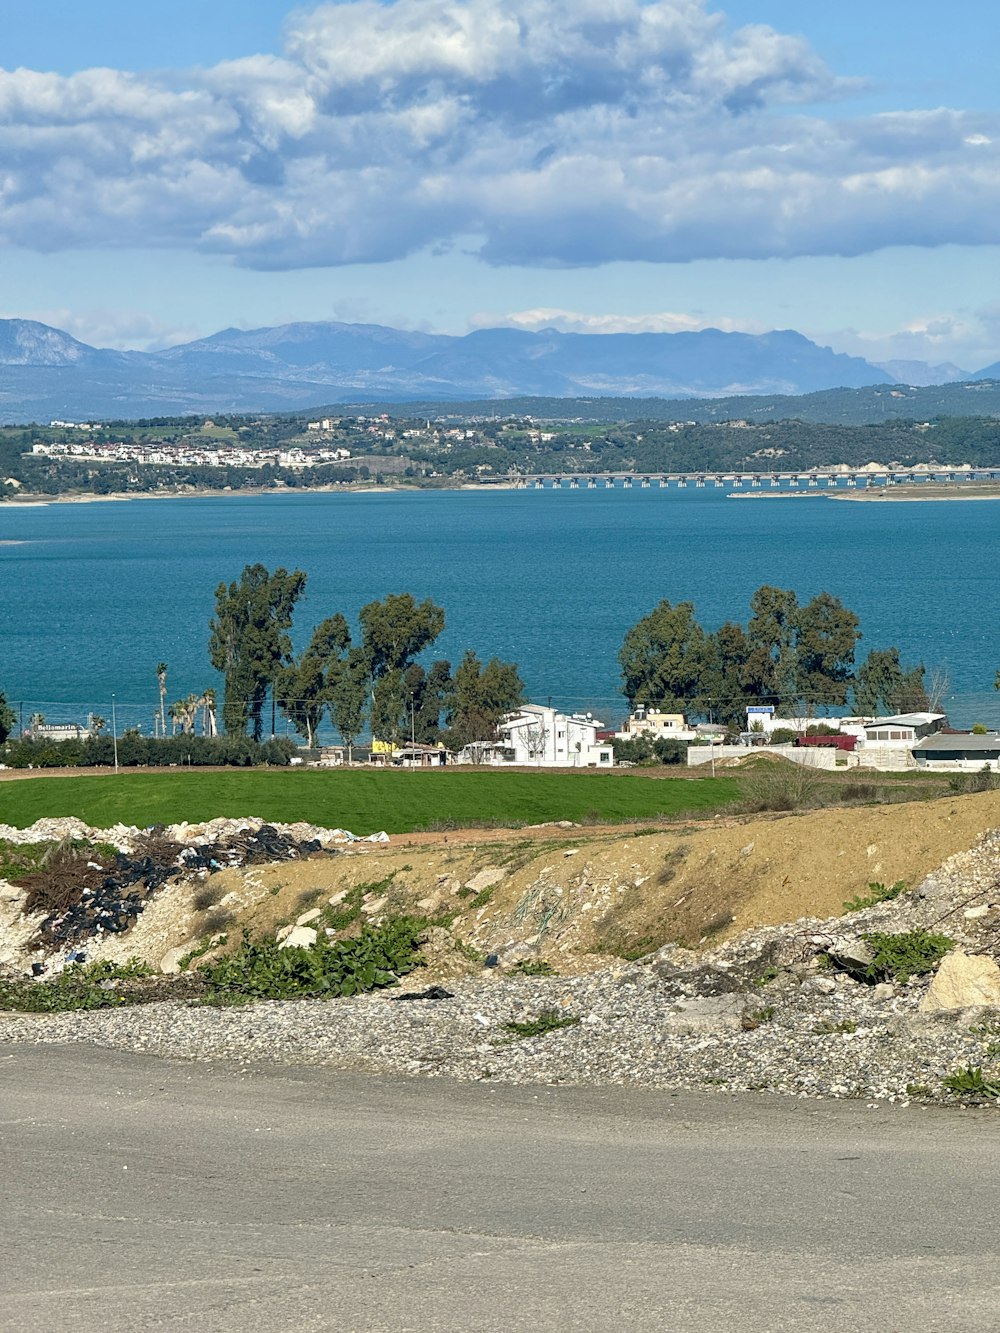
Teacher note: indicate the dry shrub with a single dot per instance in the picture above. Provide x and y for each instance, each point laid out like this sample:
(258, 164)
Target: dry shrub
(59, 884)
(780, 786)
(207, 895)
(862, 792)
(216, 920)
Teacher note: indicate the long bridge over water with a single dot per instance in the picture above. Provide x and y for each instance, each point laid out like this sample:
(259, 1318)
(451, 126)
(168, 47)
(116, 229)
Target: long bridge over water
(751, 480)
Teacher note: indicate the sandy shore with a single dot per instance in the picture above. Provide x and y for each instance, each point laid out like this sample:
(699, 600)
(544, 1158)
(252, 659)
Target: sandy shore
(922, 492)
(116, 496)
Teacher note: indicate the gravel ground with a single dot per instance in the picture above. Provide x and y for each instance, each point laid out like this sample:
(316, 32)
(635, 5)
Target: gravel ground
(633, 1030)
(758, 1013)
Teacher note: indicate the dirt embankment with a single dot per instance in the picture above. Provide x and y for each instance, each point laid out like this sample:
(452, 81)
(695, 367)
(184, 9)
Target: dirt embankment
(574, 896)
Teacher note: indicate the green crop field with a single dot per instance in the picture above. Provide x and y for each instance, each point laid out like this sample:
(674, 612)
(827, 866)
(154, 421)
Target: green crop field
(362, 801)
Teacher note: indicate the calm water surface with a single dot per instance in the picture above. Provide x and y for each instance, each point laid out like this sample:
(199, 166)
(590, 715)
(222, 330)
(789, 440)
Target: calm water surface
(92, 596)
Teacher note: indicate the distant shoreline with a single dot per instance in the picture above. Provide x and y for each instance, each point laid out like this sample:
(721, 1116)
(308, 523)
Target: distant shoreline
(899, 494)
(922, 493)
(41, 501)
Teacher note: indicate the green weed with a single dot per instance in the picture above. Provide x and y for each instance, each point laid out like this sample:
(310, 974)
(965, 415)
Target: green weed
(262, 970)
(548, 1020)
(972, 1082)
(532, 967)
(80, 986)
(877, 893)
(899, 957)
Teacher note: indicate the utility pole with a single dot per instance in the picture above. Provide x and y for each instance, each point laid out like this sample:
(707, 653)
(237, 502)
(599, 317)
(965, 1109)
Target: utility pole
(114, 730)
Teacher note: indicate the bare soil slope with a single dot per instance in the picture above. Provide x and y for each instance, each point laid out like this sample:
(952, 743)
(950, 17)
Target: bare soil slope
(574, 896)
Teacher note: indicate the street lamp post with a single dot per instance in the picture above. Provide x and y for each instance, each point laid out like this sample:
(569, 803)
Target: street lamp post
(114, 731)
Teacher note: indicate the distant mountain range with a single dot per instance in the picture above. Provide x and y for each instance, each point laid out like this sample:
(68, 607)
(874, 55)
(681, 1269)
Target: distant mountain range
(46, 374)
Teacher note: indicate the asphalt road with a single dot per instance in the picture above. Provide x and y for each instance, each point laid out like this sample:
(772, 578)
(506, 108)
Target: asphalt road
(142, 1194)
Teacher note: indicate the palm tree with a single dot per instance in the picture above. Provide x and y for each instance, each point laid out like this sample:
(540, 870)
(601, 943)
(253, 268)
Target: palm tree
(210, 723)
(161, 676)
(97, 723)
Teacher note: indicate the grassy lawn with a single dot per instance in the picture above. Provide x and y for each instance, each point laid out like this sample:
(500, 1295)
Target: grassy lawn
(363, 802)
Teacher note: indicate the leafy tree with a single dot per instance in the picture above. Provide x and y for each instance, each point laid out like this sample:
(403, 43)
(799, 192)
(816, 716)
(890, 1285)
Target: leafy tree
(249, 641)
(726, 682)
(303, 688)
(8, 720)
(348, 686)
(883, 683)
(771, 674)
(826, 636)
(665, 659)
(800, 656)
(480, 696)
(789, 655)
(394, 631)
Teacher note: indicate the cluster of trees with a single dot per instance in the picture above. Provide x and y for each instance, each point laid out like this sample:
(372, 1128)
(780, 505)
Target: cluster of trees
(375, 679)
(797, 657)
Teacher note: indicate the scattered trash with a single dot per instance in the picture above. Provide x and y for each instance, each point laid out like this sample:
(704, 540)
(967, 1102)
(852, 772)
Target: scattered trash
(492, 960)
(431, 993)
(82, 897)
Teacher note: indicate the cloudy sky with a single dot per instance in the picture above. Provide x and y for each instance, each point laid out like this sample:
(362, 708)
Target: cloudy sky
(170, 169)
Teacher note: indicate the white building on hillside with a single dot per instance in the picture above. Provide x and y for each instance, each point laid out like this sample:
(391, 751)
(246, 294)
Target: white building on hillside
(657, 725)
(541, 737)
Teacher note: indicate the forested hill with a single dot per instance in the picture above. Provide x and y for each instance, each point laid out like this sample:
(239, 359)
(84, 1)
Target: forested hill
(849, 407)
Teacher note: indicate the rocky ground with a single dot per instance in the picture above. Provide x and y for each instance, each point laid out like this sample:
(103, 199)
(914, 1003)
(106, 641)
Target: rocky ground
(775, 1007)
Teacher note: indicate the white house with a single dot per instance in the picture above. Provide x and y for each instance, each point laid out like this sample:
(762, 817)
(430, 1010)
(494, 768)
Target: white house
(903, 731)
(541, 737)
(963, 752)
(655, 724)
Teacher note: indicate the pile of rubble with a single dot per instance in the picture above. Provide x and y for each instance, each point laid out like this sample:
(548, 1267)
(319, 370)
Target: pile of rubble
(81, 893)
(128, 837)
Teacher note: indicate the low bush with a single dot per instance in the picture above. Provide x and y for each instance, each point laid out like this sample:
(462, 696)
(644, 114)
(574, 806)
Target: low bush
(972, 1082)
(899, 957)
(877, 893)
(81, 986)
(262, 970)
(780, 786)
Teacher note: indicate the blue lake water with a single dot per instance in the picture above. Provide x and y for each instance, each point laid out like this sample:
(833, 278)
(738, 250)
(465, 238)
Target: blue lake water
(92, 596)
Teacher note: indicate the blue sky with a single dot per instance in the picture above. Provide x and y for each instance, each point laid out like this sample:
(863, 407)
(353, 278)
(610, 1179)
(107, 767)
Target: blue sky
(167, 170)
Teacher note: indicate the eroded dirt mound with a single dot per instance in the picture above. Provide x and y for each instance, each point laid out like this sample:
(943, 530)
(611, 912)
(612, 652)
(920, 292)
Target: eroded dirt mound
(570, 896)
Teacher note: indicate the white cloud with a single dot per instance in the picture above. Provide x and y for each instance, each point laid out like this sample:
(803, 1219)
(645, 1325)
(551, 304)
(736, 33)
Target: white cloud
(968, 340)
(575, 321)
(122, 330)
(559, 132)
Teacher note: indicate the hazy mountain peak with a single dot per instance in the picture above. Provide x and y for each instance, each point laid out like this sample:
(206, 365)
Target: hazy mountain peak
(25, 342)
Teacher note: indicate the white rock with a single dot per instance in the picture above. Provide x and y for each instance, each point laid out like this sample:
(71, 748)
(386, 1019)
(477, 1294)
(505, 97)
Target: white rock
(963, 981)
(885, 990)
(299, 937)
(974, 913)
(306, 917)
(822, 985)
(170, 963)
(486, 879)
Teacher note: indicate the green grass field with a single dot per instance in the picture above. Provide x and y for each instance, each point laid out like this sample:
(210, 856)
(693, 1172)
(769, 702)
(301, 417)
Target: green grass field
(361, 801)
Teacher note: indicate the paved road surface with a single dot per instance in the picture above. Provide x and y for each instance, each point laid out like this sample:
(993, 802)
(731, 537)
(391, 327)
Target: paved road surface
(142, 1194)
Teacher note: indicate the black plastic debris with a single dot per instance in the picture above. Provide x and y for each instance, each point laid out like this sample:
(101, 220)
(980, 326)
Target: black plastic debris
(491, 960)
(431, 993)
(96, 898)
